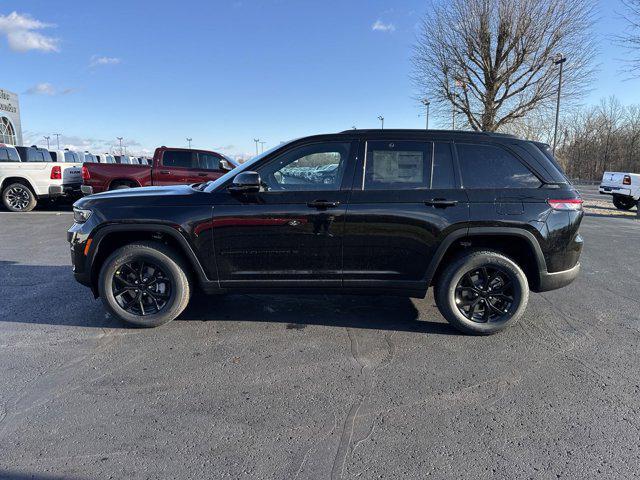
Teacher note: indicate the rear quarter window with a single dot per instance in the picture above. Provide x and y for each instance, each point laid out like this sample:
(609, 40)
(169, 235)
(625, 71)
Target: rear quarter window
(492, 166)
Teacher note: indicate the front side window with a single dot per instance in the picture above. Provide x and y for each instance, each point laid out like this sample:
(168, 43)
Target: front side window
(177, 158)
(208, 161)
(490, 166)
(397, 165)
(319, 166)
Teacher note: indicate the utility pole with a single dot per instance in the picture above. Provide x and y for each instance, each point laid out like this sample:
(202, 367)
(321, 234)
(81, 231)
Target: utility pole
(257, 140)
(559, 59)
(262, 146)
(57, 135)
(381, 118)
(189, 140)
(120, 139)
(426, 103)
(47, 139)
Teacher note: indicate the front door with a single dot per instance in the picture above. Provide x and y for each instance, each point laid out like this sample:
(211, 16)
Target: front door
(405, 202)
(289, 234)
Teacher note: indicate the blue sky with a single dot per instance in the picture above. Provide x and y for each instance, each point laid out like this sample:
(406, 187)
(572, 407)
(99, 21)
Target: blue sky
(225, 72)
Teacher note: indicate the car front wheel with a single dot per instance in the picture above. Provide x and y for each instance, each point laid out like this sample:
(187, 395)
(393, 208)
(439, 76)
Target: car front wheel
(482, 292)
(144, 283)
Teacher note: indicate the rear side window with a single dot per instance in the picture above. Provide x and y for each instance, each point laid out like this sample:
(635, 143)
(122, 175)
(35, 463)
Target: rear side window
(4, 155)
(397, 165)
(490, 166)
(442, 175)
(177, 159)
(37, 156)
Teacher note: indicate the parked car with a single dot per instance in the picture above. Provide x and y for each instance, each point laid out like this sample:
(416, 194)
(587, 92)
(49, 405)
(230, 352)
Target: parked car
(481, 217)
(72, 173)
(170, 166)
(28, 175)
(123, 159)
(624, 187)
(105, 158)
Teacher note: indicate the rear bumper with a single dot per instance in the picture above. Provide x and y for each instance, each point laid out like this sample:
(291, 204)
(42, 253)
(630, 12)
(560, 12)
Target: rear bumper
(55, 191)
(86, 189)
(611, 190)
(552, 281)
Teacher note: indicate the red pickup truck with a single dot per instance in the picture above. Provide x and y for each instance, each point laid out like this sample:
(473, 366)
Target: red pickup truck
(170, 166)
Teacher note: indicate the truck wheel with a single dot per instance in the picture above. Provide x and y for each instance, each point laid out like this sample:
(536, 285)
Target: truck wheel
(144, 283)
(623, 203)
(482, 292)
(119, 186)
(18, 197)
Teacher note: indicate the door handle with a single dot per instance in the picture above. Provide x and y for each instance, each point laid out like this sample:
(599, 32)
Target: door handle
(322, 204)
(440, 203)
(165, 172)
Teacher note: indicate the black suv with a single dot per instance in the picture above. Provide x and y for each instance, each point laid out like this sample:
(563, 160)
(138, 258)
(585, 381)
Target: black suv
(483, 218)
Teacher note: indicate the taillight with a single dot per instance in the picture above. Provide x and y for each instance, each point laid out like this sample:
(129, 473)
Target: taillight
(56, 173)
(566, 204)
(626, 180)
(85, 173)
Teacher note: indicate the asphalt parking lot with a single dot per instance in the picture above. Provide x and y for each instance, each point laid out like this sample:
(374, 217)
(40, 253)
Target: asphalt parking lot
(316, 387)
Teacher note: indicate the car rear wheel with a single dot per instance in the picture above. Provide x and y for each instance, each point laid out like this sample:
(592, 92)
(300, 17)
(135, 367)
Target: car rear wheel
(18, 197)
(623, 203)
(482, 292)
(144, 284)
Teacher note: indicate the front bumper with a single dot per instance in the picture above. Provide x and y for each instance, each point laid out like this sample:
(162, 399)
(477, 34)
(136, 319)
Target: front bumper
(552, 281)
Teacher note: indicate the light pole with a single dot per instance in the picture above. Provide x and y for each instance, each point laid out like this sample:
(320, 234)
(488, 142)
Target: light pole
(57, 135)
(426, 103)
(353, 127)
(381, 118)
(47, 139)
(559, 59)
(120, 140)
(262, 146)
(257, 140)
(189, 140)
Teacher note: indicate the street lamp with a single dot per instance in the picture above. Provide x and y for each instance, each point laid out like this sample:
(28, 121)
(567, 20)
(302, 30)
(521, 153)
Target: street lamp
(426, 103)
(189, 140)
(257, 140)
(47, 139)
(381, 118)
(120, 139)
(558, 59)
(262, 146)
(57, 135)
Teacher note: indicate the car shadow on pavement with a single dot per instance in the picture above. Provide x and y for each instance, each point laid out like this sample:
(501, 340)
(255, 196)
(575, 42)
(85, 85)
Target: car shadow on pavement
(299, 311)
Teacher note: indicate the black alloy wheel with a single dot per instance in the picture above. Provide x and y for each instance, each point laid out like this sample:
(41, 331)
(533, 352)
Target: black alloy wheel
(141, 288)
(485, 294)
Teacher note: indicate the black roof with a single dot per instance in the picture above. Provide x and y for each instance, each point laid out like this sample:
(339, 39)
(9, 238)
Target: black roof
(430, 131)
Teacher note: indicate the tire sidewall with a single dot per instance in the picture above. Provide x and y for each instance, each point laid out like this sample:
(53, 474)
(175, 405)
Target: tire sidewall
(465, 264)
(179, 286)
(32, 198)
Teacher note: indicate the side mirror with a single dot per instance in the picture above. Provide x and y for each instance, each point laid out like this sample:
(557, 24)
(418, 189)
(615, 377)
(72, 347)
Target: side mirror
(246, 182)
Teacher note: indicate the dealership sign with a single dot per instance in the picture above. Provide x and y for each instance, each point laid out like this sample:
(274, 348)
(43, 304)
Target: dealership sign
(10, 124)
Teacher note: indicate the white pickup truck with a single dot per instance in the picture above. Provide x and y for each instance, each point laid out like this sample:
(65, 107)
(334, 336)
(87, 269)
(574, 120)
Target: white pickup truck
(625, 188)
(28, 174)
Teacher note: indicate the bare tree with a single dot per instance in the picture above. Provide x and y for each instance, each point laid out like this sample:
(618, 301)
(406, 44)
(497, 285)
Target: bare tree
(491, 60)
(630, 39)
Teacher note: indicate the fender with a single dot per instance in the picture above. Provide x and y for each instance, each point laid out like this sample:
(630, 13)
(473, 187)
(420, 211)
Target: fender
(474, 231)
(23, 178)
(173, 232)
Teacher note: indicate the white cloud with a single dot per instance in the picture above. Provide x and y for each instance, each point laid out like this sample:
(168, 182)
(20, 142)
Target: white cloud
(98, 60)
(47, 89)
(91, 144)
(380, 26)
(22, 36)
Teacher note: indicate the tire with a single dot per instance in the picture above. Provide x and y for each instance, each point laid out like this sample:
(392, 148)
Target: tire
(161, 261)
(452, 290)
(119, 186)
(623, 203)
(18, 197)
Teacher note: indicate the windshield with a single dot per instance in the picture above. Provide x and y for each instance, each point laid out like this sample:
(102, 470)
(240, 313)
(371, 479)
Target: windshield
(245, 166)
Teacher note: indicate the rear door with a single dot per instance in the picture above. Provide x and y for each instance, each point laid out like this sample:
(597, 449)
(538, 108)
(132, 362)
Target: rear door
(177, 167)
(406, 201)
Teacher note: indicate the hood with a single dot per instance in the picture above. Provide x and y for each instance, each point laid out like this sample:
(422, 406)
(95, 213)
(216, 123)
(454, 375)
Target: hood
(144, 196)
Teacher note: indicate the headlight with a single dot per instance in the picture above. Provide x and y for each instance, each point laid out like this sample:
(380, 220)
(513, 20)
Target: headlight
(81, 215)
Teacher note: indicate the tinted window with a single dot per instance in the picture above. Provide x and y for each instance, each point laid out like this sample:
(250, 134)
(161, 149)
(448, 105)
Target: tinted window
(54, 156)
(37, 156)
(489, 166)
(442, 172)
(4, 155)
(393, 165)
(177, 159)
(13, 155)
(208, 161)
(308, 168)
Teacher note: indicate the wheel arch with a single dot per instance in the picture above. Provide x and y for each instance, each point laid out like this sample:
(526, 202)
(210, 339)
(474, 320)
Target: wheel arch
(112, 237)
(134, 183)
(11, 179)
(515, 243)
